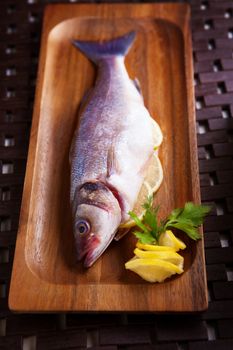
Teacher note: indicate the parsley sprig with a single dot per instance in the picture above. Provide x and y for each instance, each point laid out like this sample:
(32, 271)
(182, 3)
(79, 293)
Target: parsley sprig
(186, 219)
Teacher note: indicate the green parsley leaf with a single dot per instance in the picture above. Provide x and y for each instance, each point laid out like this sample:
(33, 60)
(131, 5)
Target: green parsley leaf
(150, 219)
(139, 222)
(144, 238)
(190, 230)
(195, 212)
(148, 204)
(186, 219)
(175, 213)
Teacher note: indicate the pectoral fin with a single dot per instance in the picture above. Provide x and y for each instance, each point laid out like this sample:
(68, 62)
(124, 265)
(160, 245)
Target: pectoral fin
(137, 85)
(113, 166)
(121, 233)
(84, 100)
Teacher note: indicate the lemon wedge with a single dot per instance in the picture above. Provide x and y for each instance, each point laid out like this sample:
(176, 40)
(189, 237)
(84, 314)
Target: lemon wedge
(170, 240)
(150, 185)
(157, 134)
(169, 256)
(153, 247)
(153, 270)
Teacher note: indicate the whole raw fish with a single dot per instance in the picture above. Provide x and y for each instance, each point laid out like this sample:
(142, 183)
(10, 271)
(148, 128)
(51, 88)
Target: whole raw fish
(111, 148)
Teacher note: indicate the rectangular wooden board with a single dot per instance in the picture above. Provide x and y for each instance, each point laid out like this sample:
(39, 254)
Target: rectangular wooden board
(45, 275)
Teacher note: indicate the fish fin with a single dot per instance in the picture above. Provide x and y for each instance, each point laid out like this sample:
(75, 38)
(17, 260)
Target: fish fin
(97, 51)
(137, 84)
(121, 233)
(85, 99)
(72, 146)
(112, 163)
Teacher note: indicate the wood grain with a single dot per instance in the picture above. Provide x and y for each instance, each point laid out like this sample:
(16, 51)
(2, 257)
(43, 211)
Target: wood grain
(45, 274)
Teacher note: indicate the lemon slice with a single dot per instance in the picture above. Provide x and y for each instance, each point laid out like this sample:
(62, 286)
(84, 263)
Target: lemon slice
(170, 240)
(153, 270)
(157, 134)
(153, 247)
(150, 185)
(170, 256)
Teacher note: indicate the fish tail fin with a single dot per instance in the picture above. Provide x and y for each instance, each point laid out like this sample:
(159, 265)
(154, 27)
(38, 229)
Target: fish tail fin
(97, 51)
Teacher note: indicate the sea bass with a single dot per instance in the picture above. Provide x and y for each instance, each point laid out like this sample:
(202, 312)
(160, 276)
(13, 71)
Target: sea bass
(110, 151)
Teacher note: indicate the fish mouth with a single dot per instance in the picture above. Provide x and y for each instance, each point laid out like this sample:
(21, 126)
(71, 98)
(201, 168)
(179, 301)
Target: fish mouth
(91, 257)
(92, 251)
(84, 247)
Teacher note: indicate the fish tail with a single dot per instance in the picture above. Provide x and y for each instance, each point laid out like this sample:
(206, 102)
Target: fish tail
(97, 51)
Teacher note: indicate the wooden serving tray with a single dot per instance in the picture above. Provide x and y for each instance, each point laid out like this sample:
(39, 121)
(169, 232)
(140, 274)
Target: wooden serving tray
(45, 275)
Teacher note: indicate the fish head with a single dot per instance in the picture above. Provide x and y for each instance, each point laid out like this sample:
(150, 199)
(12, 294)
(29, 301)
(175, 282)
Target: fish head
(96, 220)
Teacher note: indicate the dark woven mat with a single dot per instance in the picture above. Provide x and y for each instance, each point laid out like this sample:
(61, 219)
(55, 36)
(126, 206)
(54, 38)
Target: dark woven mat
(212, 24)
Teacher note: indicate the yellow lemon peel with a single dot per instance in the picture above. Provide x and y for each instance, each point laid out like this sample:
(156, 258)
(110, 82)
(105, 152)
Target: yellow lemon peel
(153, 270)
(170, 256)
(170, 240)
(155, 263)
(153, 247)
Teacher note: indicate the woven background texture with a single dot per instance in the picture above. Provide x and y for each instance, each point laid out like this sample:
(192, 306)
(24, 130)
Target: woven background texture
(212, 33)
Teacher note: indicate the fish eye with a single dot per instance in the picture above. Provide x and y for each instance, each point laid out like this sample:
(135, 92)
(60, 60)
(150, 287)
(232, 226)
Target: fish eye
(83, 226)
